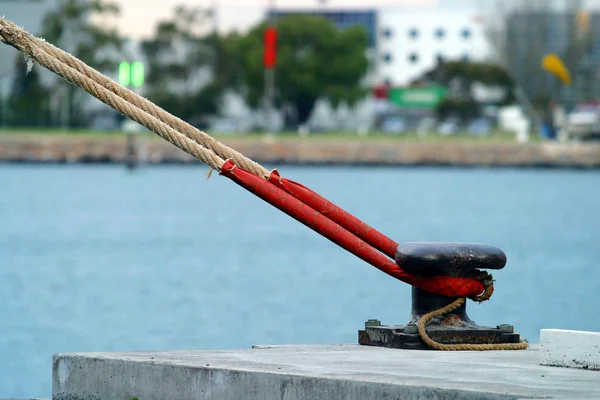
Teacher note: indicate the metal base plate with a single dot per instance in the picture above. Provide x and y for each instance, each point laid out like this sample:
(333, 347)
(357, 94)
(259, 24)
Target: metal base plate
(407, 336)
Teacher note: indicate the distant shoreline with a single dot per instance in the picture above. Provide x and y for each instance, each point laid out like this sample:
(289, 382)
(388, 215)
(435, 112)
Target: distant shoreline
(61, 149)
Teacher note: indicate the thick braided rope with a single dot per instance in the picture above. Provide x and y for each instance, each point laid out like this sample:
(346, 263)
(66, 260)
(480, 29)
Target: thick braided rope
(119, 104)
(30, 45)
(460, 347)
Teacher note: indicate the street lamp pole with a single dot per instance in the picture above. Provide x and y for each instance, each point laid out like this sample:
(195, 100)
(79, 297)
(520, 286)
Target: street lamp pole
(215, 16)
(269, 77)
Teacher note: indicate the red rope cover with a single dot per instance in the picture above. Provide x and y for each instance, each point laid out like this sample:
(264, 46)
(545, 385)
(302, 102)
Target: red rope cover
(341, 217)
(274, 195)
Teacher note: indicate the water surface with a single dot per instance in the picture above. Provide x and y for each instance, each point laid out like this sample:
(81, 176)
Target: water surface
(94, 258)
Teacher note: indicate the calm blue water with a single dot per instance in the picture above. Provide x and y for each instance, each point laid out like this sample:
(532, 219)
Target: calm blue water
(100, 259)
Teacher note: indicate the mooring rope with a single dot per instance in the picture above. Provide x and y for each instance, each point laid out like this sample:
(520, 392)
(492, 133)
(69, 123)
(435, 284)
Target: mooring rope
(196, 143)
(421, 325)
(108, 91)
(486, 295)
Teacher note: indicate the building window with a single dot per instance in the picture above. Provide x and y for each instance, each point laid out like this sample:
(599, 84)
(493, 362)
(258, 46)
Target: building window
(413, 58)
(387, 57)
(465, 33)
(387, 33)
(413, 33)
(440, 33)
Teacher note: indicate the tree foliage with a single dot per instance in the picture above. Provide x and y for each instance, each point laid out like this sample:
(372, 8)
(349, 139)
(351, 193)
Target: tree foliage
(28, 104)
(69, 26)
(470, 72)
(182, 60)
(189, 67)
(460, 77)
(315, 60)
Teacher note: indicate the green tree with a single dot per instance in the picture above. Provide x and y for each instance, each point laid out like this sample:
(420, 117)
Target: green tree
(315, 60)
(461, 76)
(28, 104)
(183, 66)
(70, 26)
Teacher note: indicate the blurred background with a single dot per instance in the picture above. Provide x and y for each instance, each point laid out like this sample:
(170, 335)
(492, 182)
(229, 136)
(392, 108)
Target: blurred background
(98, 257)
(446, 67)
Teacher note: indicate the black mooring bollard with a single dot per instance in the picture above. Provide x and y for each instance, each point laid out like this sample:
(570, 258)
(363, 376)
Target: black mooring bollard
(435, 259)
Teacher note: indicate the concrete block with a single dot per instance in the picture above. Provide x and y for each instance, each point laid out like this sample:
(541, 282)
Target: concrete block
(572, 349)
(334, 372)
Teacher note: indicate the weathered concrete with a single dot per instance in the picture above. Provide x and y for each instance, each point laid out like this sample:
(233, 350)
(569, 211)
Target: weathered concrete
(73, 149)
(573, 349)
(317, 372)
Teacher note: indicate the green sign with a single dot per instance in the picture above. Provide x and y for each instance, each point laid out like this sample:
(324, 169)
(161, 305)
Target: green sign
(131, 74)
(418, 97)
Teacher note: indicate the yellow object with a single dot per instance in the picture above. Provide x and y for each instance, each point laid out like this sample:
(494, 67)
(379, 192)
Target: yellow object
(553, 64)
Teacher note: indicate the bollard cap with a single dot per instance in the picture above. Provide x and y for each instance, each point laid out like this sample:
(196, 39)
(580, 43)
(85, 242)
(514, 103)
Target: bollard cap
(450, 259)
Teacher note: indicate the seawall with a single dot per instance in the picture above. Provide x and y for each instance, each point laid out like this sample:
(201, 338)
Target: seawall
(312, 151)
(334, 372)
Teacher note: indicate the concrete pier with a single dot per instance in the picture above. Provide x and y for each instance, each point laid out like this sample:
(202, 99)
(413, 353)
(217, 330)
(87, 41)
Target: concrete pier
(313, 151)
(317, 372)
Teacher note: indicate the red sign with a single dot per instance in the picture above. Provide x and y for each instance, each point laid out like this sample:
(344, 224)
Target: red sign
(270, 58)
(381, 91)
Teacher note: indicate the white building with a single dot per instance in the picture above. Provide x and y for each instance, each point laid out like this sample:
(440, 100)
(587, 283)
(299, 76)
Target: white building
(410, 41)
(406, 41)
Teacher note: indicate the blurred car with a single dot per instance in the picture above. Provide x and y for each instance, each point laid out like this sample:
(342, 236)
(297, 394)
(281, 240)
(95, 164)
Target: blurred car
(426, 125)
(225, 126)
(583, 122)
(393, 125)
(104, 120)
(448, 127)
(480, 127)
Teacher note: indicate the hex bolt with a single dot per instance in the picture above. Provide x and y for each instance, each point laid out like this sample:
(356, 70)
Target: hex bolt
(506, 328)
(373, 322)
(411, 330)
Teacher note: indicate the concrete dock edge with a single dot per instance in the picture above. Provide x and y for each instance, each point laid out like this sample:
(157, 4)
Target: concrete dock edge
(317, 372)
(572, 349)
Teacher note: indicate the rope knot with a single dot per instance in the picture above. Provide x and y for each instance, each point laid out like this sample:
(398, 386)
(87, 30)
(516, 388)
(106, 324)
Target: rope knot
(488, 283)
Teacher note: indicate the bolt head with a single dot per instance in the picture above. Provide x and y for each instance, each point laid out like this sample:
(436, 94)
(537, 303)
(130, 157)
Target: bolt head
(506, 328)
(411, 330)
